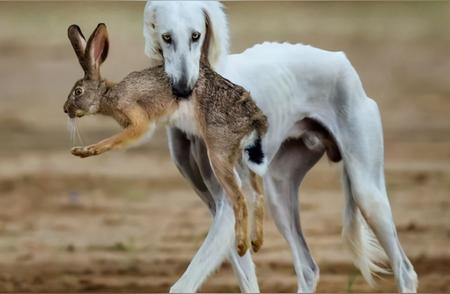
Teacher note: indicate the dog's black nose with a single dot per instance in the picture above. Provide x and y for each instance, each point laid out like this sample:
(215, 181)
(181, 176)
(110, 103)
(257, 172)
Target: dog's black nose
(181, 90)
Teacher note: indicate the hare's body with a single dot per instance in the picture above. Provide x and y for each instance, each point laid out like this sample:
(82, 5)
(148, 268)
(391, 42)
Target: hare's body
(148, 89)
(219, 103)
(142, 88)
(218, 111)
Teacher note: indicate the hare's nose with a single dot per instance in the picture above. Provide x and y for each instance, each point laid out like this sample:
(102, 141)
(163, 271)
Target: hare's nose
(66, 108)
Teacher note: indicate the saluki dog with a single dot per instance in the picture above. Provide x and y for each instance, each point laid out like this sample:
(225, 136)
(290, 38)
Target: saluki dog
(315, 104)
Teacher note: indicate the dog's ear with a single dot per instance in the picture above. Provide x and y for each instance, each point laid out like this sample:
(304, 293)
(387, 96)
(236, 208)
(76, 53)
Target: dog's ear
(78, 43)
(208, 37)
(97, 50)
(215, 43)
(152, 46)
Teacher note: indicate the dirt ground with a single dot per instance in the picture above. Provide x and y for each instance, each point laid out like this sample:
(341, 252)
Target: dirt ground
(128, 221)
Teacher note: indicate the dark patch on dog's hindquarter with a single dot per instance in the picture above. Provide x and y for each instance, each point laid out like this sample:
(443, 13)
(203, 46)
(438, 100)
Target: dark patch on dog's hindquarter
(255, 153)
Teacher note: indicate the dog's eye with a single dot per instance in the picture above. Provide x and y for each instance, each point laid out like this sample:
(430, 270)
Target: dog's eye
(167, 38)
(78, 91)
(195, 36)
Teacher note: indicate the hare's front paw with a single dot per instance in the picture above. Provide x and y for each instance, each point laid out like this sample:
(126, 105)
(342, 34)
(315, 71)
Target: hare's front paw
(84, 151)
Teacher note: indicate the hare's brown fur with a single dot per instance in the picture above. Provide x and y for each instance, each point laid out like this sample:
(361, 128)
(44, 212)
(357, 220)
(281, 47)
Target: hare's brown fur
(223, 115)
(226, 114)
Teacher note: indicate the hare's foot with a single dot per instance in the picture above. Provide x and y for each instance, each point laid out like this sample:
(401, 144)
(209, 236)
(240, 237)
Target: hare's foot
(257, 244)
(242, 245)
(85, 151)
(257, 234)
(242, 240)
(258, 226)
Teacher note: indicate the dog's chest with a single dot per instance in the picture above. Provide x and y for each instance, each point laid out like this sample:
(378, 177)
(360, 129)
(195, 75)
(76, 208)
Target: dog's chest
(184, 118)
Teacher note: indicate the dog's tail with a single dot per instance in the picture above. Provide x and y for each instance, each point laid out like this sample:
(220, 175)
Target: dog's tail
(366, 252)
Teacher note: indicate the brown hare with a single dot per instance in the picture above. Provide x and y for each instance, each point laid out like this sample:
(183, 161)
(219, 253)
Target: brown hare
(218, 111)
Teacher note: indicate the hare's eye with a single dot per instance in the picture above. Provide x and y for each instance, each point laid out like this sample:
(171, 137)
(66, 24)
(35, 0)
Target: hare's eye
(195, 36)
(78, 91)
(167, 38)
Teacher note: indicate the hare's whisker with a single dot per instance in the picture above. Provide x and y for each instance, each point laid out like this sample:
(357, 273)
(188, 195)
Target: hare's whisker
(74, 132)
(71, 126)
(80, 138)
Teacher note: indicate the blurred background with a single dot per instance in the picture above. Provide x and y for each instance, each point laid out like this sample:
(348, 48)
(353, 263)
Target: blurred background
(127, 220)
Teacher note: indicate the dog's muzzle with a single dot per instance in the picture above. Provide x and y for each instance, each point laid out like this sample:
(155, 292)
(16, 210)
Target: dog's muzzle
(181, 90)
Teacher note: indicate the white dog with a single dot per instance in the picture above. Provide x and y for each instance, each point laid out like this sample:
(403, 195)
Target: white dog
(312, 97)
(182, 19)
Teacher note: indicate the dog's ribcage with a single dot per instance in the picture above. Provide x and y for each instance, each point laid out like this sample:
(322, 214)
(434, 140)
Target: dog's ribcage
(290, 82)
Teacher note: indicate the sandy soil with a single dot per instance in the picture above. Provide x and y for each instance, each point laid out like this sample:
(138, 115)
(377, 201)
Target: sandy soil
(128, 221)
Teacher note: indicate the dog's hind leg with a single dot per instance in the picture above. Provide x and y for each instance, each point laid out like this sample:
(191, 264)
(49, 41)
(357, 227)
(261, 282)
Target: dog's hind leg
(362, 152)
(281, 184)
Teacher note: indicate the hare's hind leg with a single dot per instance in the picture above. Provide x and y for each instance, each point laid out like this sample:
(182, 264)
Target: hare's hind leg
(257, 233)
(362, 152)
(223, 166)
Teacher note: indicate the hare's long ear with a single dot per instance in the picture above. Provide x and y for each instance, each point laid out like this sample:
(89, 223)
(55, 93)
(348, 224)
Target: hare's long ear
(97, 50)
(78, 43)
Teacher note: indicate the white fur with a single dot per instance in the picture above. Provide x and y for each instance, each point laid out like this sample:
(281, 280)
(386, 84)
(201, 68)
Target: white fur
(184, 119)
(181, 19)
(367, 253)
(212, 253)
(259, 169)
(308, 82)
(285, 96)
(249, 140)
